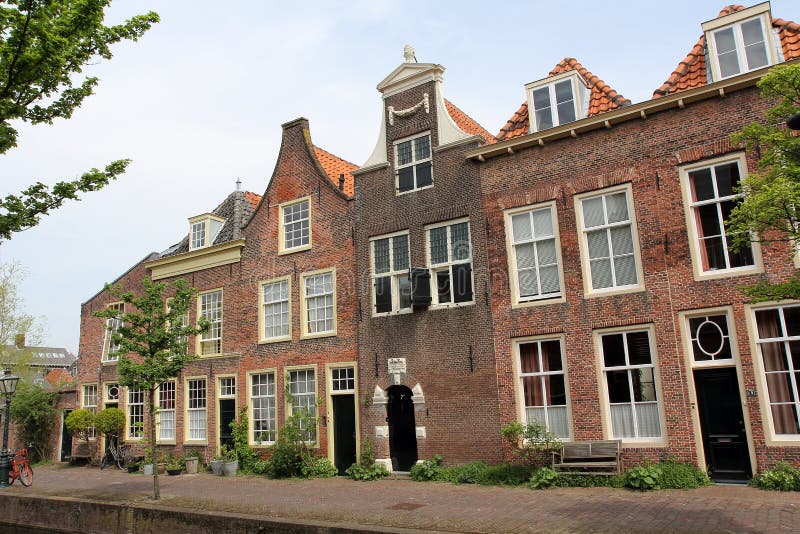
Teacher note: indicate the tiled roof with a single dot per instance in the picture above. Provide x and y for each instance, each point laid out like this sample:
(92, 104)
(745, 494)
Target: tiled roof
(692, 71)
(602, 98)
(334, 166)
(57, 377)
(467, 123)
(42, 356)
(224, 210)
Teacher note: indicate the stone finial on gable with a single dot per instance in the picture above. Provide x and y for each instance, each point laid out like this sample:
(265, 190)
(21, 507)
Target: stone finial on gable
(408, 54)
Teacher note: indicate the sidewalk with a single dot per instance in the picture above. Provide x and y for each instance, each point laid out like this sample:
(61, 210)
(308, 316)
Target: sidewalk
(404, 505)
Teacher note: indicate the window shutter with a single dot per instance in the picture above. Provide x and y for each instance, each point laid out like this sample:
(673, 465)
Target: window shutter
(405, 179)
(383, 294)
(424, 174)
(420, 287)
(462, 290)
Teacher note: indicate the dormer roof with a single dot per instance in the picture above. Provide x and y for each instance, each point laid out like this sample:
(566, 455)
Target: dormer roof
(334, 166)
(602, 98)
(693, 71)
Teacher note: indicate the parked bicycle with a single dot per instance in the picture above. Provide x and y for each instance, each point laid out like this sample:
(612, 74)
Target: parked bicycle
(21, 469)
(116, 453)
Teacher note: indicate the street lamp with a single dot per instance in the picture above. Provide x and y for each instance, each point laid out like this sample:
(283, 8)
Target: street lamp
(8, 386)
(793, 122)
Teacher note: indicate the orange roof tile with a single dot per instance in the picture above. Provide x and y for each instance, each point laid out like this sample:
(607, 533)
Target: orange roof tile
(467, 123)
(252, 198)
(58, 376)
(691, 72)
(334, 166)
(602, 98)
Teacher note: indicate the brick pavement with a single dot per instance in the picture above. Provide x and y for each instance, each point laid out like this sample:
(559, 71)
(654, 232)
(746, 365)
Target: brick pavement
(410, 506)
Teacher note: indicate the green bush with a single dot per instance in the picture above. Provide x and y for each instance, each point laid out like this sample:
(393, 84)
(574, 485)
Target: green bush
(530, 442)
(34, 410)
(427, 469)
(677, 475)
(110, 421)
(782, 477)
(80, 423)
(505, 475)
(246, 454)
(359, 472)
(462, 474)
(543, 478)
(643, 477)
(316, 467)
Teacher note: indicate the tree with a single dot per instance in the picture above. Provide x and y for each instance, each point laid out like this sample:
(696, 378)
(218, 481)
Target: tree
(34, 410)
(152, 342)
(15, 324)
(80, 423)
(768, 211)
(44, 44)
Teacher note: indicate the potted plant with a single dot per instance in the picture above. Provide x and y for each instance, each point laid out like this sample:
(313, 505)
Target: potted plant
(191, 460)
(216, 464)
(174, 466)
(133, 467)
(147, 468)
(230, 461)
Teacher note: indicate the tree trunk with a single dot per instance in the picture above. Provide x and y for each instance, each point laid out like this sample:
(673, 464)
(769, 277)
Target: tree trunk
(152, 431)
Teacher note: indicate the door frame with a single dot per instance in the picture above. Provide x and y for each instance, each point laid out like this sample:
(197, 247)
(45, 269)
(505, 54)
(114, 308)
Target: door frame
(329, 407)
(690, 365)
(218, 397)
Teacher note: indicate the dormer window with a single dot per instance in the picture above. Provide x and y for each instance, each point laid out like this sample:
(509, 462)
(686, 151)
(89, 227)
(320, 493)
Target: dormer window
(554, 101)
(740, 42)
(203, 230)
(413, 163)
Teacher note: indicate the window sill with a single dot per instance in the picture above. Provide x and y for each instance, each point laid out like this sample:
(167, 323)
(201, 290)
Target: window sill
(261, 444)
(544, 301)
(319, 335)
(269, 341)
(404, 311)
(451, 305)
(716, 274)
(195, 442)
(595, 293)
(283, 252)
(401, 193)
(642, 443)
(110, 362)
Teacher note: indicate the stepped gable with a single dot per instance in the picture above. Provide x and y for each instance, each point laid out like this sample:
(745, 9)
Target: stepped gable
(602, 98)
(692, 71)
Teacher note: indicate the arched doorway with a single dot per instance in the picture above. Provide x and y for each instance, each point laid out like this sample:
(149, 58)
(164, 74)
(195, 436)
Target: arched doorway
(402, 428)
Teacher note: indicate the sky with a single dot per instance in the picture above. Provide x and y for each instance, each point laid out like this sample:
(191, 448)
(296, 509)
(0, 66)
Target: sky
(198, 103)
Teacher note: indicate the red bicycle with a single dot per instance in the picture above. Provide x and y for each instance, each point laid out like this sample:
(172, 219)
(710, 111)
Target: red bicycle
(20, 469)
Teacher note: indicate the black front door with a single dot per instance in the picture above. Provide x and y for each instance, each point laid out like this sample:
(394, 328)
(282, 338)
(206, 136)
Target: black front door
(66, 439)
(227, 414)
(402, 428)
(344, 431)
(722, 424)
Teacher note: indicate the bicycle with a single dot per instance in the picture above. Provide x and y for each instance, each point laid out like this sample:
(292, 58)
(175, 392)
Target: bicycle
(20, 469)
(116, 453)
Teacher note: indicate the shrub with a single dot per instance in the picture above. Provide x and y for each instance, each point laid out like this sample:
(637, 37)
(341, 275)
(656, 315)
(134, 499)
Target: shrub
(530, 442)
(316, 467)
(110, 421)
(462, 474)
(782, 477)
(643, 477)
(677, 475)
(589, 481)
(246, 454)
(543, 478)
(80, 423)
(505, 475)
(33, 409)
(360, 472)
(426, 469)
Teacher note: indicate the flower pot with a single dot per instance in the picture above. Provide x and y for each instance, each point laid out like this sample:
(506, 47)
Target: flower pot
(216, 467)
(174, 471)
(191, 466)
(162, 468)
(147, 469)
(229, 468)
(133, 468)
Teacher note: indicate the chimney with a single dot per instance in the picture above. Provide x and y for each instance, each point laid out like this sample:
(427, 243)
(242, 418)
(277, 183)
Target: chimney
(19, 341)
(341, 182)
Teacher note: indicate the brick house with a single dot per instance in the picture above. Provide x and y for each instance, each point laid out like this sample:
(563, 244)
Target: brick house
(615, 299)
(274, 275)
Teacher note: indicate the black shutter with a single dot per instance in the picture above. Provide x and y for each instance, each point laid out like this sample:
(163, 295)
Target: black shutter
(383, 294)
(405, 179)
(420, 287)
(462, 283)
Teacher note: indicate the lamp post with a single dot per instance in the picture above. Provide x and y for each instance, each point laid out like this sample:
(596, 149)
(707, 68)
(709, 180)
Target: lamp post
(8, 386)
(793, 122)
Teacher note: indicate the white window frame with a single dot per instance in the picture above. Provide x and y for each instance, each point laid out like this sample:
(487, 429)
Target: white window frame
(519, 386)
(690, 337)
(588, 287)
(288, 371)
(203, 230)
(227, 390)
(305, 332)
(134, 412)
(394, 274)
(211, 335)
(513, 269)
(86, 403)
(107, 399)
(166, 413)
(262, 310)
(282, 248)
(413, 163)
(448, 265)
(700, 273)
(734, 21)
(578, 103)
(189, 409)
(111, 327)
(602, 380)
(271, 407)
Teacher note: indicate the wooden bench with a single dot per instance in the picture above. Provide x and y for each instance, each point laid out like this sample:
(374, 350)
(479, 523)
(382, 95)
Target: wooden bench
(595, 457)
(80, 454)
